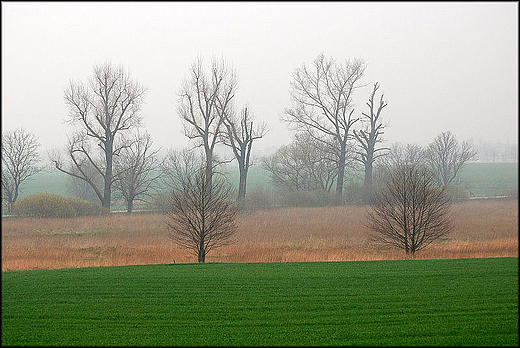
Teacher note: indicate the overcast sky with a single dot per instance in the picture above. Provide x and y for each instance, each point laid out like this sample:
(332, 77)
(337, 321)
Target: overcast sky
(442, 66)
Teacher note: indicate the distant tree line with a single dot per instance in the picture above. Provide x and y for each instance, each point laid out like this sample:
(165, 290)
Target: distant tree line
(495, 151)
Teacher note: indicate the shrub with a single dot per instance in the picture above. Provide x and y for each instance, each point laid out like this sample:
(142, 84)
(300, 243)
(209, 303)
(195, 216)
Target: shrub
(56, 206)
(44, 205)
(84, 208)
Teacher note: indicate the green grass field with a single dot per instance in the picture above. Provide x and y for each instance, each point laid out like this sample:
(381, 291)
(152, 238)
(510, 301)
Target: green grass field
(488, 179)
(461, 302)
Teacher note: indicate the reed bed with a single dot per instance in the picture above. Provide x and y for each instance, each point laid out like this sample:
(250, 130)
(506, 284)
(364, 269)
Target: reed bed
(481, 229)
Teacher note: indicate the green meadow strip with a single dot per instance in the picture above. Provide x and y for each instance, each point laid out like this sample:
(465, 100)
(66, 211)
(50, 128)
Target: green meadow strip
(461, 302)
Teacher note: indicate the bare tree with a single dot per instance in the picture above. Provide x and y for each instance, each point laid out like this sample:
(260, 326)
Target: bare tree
(446, 157)
(368, 138)
(399, 155)
(304, 165)
(138, 168)
(405, 154)
(410, 212)
(202, 217)
(322, 97)
(203, 101)
(19, 163)
(105, 110)
(240, 135)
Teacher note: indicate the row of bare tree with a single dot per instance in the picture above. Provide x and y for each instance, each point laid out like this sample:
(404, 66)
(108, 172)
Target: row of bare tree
(108, 153)
(108, 110)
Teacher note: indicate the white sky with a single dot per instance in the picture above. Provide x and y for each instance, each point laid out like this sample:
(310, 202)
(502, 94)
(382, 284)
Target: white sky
(442, 66)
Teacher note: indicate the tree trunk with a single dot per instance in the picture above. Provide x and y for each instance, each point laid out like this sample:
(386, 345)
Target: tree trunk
(209, 167)
(107, 192)
(243, 181)
(341, 174)
(368, 190)
(129, 205)
(12, 199)
(201, 253)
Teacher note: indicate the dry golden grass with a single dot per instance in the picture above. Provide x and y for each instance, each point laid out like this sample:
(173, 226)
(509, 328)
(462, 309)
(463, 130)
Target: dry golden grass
(482, 229)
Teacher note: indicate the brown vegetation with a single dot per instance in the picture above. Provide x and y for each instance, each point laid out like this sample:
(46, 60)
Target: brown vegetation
(481, 229)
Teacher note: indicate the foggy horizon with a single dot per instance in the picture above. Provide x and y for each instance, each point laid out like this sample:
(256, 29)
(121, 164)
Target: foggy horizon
(441, 66)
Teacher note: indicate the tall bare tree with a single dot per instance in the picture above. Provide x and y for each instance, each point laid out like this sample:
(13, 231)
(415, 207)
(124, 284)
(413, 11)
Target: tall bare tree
(322, 98)
(410, 212)
(203, 101)
(241, 132)
(105, 110)
(368, 138)
(202, 217)
(19, 163)
(138, 168)
(446, 157)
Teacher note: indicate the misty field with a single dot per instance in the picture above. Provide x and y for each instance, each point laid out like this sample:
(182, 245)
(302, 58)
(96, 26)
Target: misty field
(483, 228)
(480, 179)
(463, 302)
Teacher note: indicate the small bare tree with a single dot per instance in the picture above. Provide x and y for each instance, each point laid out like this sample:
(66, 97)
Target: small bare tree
(105, 110)
(19, 163)
(409, 212)
(202, 217)
(137, 166)
(203, 101)
(404, 154)
(368, 139)
(446, 157)
(304, 165)
(322, 103)
(239, 137)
